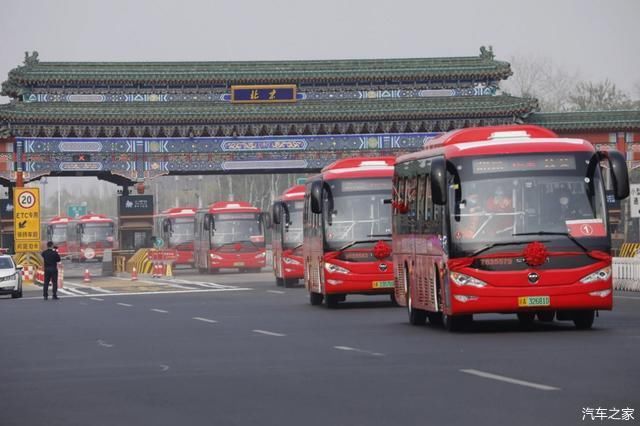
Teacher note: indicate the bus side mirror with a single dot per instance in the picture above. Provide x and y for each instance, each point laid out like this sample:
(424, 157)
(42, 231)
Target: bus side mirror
(166, 225)
(316, 197)
(439, 181)
(266, 220)
(619, 173)
(206, 223)
(277, 213)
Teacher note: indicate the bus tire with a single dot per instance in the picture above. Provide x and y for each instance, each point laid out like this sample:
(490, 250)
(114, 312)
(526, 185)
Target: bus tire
(416, 316)
(455, 323)
(290, 282)
(315, 298)
(280, 282)
(394, 301)
(333, 300)
(583, 320)
(435, 318)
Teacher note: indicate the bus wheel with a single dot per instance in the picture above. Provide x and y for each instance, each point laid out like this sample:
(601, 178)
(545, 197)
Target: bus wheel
(526, 319)
(546, 316)
(456, 322)
(394, 301)
(315, 298)
(280, 282)
(435, 318)
(333, 300)
(291, 282)
(584, 319)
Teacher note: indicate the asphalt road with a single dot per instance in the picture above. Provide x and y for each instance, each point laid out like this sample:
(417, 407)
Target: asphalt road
(242, 351)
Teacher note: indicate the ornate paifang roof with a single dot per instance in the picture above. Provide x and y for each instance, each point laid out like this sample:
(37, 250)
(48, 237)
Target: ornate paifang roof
(187, 113)
(588, 120)
(33, 73)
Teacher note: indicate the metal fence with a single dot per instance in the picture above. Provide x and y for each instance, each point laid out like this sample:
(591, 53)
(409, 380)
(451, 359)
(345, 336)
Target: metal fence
(626, 273)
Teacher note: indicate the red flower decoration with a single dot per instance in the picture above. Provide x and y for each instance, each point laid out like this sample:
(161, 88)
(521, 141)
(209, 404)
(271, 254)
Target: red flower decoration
(535, 254)
(400, 207)
(381, 250)
(237, 246)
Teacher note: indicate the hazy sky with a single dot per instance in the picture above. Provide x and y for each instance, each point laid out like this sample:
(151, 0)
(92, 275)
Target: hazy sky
(599, 39)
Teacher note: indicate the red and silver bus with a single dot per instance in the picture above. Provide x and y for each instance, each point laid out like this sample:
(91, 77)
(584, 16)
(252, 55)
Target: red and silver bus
(56, 232)
(176, 228)
(229, 234)
(347, 230)
(286, 241)
(506, 219)
(89, 235)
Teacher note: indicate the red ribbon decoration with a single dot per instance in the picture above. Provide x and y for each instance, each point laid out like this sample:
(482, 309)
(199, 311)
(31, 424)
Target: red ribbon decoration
(400, 207)
(237, 246)
(381, 250)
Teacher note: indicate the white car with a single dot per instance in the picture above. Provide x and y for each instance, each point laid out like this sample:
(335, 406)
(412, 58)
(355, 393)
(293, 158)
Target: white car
(10, 277)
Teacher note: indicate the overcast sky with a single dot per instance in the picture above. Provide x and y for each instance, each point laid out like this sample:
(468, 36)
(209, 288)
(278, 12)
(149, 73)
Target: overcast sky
(596, 39)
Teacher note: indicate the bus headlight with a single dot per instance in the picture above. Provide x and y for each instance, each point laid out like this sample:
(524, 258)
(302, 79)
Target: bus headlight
(215, 256)
(290, 261)
(600, 275)
(330, 267)
(462, 280)
(260, 255)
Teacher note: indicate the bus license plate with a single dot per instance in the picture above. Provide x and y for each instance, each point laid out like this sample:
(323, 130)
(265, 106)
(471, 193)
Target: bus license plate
(382, 284)
(534, 301)
(238, 263)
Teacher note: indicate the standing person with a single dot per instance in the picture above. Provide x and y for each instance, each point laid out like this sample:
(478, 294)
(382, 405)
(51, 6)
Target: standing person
(51, 259)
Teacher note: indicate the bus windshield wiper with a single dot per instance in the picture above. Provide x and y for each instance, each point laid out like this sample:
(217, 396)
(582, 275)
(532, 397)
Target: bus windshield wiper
(353, 243)
(492, 245)
(385, 236)
(566, 234)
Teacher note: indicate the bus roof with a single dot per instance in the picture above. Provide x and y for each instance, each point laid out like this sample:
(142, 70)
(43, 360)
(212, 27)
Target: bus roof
(179, 212)
(93, 218)
(59, 220)
(232, 207)
(296, 192)
(497, 140)
(358, 167)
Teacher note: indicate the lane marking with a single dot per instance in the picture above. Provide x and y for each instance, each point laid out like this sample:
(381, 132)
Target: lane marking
(98, 289)
(627, 297)
(509, 380)
(205, 320)
(162, 311)
(105, 344)
(142, 293)
(164, 367)
(97, 299)
(64, 291)
(350, 349)
(276, 292)
(269, 333)
(76, 291)
(124, 304)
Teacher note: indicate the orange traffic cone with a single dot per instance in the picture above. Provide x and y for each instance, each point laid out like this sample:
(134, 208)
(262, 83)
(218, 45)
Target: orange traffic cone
(87, 276)
(134, 274)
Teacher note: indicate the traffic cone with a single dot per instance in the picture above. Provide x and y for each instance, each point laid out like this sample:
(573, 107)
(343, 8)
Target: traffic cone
(134, 274)
(87, 276)
(155, 271)
(169, 272)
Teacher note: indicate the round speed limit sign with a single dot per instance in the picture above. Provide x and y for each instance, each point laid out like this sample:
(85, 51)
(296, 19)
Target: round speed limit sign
(26, 199)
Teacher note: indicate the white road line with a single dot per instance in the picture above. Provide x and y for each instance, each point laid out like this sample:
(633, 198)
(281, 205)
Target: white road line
(162, 311)
(144, 293)
(74, 290)
(205, 320)
(64, 291)
(98, 289)
(626, 297)
(125, 304)
(269, 333)
(509, 380)
(350, 349)
(275, 292)
(97, 299)
(105, 344)
(164, 367)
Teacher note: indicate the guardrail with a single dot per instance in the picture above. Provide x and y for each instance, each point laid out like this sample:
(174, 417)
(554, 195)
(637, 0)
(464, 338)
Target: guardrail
(626, 273)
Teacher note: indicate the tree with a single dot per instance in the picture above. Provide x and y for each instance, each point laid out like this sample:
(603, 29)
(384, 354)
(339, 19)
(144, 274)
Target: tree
(598, 96)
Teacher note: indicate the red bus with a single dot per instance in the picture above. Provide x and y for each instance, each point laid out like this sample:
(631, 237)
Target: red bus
(505, 219)
(56, 232)
(229, 234)
(347, 230)
(89, 235)
(286, 241)
(176, 228)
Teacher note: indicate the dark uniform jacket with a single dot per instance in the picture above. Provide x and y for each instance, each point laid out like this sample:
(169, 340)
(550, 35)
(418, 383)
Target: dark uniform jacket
(51, 258)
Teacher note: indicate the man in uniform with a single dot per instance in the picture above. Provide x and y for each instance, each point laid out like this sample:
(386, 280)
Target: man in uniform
(51, 259)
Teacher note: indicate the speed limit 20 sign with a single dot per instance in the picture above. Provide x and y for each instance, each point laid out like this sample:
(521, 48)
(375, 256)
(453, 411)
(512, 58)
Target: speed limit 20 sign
(26, 219)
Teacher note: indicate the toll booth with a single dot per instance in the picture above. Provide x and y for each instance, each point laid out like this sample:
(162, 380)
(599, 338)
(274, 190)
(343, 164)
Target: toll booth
(135, 222)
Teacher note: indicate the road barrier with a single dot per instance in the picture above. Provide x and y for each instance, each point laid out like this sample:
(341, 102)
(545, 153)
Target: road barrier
(626, 273)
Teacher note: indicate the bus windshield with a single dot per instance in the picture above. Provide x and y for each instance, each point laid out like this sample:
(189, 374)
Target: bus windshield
(238, 227)
(293, 232)
(182, 231)
(97, 232)
(58, 233)
(526, 198)
(358, 211)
